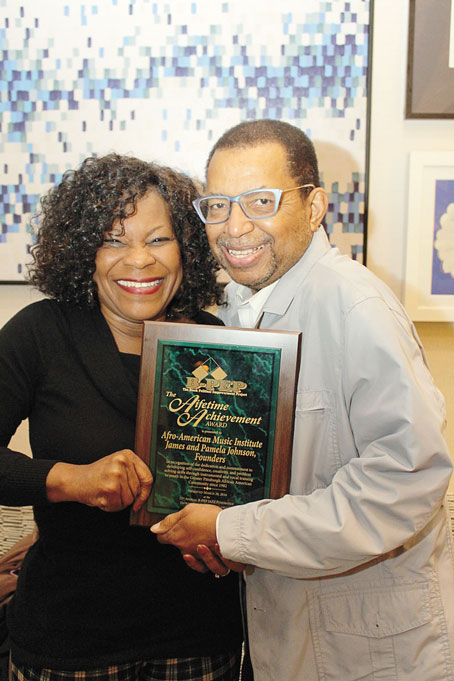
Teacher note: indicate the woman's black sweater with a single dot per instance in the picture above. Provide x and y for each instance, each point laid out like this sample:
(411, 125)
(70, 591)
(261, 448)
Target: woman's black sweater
(93, 591)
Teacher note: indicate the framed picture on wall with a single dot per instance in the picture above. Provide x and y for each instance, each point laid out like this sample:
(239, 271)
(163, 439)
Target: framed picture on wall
(430, 69)
(122, 64)
(429, 280)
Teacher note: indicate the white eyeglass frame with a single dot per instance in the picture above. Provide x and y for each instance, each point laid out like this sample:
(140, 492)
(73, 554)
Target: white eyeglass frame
(237, 199)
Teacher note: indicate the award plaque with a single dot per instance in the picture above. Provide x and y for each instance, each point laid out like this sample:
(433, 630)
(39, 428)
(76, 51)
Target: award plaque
(215, 415)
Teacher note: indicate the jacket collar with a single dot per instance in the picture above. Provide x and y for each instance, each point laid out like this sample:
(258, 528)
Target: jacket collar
(283, 293)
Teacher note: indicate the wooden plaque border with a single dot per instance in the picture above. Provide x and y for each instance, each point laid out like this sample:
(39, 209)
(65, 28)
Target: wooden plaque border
(289, 342)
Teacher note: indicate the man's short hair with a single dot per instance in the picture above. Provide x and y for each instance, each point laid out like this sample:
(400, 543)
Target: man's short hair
(301, 156)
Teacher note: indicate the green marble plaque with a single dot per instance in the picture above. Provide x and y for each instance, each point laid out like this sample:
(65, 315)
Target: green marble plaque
(208, 413)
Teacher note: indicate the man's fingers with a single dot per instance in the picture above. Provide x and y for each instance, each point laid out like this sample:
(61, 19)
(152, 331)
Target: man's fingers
(194, 524)
(166, 524)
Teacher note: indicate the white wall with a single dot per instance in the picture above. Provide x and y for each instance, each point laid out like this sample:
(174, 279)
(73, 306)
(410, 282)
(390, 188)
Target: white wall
(392, 140)
(12, 299)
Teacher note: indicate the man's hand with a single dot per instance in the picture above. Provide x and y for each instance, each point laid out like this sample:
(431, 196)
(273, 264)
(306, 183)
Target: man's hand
(211, 559)
(111, 483)
(195, 524)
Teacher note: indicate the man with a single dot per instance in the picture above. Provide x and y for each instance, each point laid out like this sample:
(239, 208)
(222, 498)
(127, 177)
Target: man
(350, 576)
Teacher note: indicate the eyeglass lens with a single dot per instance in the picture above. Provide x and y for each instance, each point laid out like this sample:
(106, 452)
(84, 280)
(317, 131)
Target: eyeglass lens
(256, 204)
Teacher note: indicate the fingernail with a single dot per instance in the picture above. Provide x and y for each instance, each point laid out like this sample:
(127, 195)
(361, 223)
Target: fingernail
(156, 527)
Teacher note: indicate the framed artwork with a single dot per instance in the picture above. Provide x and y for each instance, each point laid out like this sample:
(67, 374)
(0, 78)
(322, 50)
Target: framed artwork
(429, 280)
(430, 71)
(163, 81)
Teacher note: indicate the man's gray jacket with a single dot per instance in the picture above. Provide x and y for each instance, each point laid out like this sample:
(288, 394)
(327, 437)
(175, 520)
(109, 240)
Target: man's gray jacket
(355, 578)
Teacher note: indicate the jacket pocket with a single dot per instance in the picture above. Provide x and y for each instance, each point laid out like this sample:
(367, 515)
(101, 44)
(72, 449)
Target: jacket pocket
(377, 613)
(377, 634)
(315, 441)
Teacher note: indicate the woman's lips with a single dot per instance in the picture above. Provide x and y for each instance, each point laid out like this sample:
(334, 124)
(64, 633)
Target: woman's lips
(140, 287)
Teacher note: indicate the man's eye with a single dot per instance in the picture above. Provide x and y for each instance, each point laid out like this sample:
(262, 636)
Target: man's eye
(260, 204)
(217, 205)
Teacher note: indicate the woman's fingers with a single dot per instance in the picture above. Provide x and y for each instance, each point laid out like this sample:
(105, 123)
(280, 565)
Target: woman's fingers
(194, 563)
(111, 483)
(212, 561)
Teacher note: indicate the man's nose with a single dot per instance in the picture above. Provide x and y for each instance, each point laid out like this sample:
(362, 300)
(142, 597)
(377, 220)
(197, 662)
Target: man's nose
(238, 222)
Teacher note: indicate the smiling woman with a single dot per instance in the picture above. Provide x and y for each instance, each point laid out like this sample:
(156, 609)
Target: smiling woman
(138, 270)
(94, 202)
(118, 243)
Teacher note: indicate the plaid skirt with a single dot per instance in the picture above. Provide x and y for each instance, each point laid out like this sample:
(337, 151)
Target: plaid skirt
(223, 667)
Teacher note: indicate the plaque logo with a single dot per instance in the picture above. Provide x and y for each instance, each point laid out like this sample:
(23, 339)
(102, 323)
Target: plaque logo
(209, 377)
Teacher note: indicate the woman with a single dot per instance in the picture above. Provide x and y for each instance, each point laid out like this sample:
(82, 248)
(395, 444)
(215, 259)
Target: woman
(117, 244)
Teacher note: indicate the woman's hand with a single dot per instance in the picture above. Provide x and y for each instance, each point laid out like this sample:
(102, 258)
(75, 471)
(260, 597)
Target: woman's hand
(111, 483)
(211, 559)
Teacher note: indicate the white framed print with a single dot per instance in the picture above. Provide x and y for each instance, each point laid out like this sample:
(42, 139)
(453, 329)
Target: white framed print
(429, 278)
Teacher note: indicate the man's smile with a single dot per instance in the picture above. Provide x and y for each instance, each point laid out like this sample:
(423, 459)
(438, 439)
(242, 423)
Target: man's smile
(243, 255)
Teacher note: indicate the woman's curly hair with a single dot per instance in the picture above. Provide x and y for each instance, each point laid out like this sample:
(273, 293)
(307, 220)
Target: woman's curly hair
(75, 215)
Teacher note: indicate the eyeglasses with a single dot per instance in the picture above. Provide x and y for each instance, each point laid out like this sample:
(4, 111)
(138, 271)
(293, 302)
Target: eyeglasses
(256, 203)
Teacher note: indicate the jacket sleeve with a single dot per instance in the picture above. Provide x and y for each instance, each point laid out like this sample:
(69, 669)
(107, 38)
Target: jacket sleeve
(22, 479)
(380, 498)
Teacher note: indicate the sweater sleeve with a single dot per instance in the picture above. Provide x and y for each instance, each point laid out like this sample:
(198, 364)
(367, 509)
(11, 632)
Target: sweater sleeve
(22, 479)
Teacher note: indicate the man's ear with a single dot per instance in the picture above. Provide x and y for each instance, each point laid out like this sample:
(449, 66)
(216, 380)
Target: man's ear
(319, 205)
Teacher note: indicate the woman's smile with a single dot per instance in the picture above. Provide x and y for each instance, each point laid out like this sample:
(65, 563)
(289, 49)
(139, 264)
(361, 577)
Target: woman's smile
(140, 286)
(138, 267)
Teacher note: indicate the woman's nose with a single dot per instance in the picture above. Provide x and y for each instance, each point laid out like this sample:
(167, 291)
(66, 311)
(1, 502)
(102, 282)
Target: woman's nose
(139, 255)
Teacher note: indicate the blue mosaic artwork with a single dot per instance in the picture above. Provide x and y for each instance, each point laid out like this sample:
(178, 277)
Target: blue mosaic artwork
(164, 80)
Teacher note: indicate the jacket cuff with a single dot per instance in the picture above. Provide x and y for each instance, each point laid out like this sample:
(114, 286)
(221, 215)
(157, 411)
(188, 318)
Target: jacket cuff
(228, 531)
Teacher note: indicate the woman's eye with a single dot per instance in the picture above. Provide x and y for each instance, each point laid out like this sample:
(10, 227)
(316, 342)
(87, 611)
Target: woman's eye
(116, 242)
(158, 240)
(112, 241)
